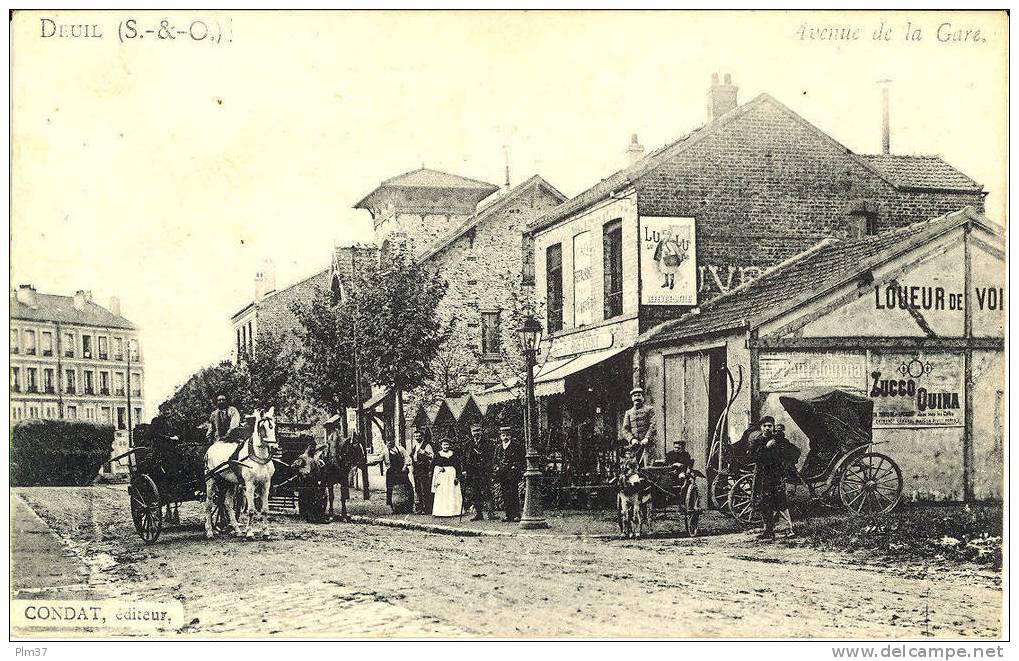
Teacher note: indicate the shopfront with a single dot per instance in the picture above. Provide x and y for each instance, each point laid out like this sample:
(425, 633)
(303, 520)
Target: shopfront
(912, 319)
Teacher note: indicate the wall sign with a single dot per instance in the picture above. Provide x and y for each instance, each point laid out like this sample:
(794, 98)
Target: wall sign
(581, 343)
(789, 372)
(916, 389)
(582, 303)
(668, 261)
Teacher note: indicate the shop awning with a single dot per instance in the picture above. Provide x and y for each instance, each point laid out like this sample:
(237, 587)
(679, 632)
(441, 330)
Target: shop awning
(550, 378)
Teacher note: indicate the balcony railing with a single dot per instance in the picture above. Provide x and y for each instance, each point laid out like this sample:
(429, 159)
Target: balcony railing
(32, 389)
(50, 390)
(68, 353)
(118, 356)
(136, 392)
(104, 355)
(29, 352)
(89, 390)
(47, 352)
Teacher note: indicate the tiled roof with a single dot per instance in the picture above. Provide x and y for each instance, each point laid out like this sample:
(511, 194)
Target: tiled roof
(818, 269)
(426, 178)
(55, 308)
(486, 210)
(922, 172)
(287, 294)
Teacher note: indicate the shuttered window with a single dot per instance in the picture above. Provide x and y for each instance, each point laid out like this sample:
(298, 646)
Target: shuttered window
(612, 269)
(554, 287)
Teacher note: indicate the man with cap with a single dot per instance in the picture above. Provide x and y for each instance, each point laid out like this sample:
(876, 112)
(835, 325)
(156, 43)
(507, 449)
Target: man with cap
(772, 453)
(639, 432)
(223, 420)
(421, 456)
(476, 472)
(508, 468)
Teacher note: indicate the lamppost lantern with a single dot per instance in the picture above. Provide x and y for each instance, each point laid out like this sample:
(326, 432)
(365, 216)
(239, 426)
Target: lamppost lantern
(534, 517)
(530, 334)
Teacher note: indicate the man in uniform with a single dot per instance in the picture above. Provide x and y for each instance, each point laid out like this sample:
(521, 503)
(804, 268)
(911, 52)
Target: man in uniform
(421, 455)
(476, 472)
(508, 468)
(639, 429)
(223, 420)
(772, 453)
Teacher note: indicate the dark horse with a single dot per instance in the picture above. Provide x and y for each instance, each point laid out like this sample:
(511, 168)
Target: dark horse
(332, 464)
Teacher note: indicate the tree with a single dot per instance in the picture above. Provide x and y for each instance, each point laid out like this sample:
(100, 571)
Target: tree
(325, 358)
(190, 404)
(395, 325)
(271, 374)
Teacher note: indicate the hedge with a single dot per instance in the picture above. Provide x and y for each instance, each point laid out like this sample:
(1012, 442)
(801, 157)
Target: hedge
(58, 452)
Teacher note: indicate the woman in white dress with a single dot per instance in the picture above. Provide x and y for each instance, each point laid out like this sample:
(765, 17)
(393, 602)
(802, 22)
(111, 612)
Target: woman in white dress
(447, 499)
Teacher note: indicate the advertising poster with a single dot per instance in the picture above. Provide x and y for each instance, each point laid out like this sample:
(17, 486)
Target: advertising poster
(582, 304)
(916, 389)
(668, 261)
(789, 372)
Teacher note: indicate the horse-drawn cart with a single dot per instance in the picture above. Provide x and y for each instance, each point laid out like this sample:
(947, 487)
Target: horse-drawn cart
(840, 470)
(166, 471)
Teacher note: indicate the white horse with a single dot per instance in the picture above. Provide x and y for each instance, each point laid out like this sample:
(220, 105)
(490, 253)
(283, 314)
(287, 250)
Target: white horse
(250, 463)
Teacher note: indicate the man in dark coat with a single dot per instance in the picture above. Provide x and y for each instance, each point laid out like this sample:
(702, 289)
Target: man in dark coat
(508, 469)
(772, 453)
(477, 472)
(422, 454)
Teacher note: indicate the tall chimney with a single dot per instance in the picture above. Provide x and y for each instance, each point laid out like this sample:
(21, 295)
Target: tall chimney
(26, 294)
(79, 300)
(721, 97)
(886, 132)
(505, 151)
(115, 305)
(635, 151)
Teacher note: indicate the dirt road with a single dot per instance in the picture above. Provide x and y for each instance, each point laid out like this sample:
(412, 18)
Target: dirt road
(359, 580)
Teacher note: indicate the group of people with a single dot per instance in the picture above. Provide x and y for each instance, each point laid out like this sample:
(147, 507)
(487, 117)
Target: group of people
(446, 481)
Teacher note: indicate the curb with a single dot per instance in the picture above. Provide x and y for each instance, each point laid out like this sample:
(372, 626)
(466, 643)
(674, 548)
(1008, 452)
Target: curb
(467, 532)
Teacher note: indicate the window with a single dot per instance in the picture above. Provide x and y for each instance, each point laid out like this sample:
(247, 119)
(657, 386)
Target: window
(90, 413)
(118, 348)
(69, 382)
(136, 384)
(15, 379)
(69, 345)
(86, 346)
(104, 415)
(490, 334)
(89, 380)
(15, 341)
(32, 374)
(47, 380)
(244, 341)
(121, 417)
(103, 348)
(47, 343)
(30, 342)
(104, 383)
(239, 344)
(132, 349)
(554, 286)
(16, 412)
(33, 412)
(51, 412)
(118, 384)
(612, 270)
(527, 247)
(137, 415)
(72, 412)
(251, 339)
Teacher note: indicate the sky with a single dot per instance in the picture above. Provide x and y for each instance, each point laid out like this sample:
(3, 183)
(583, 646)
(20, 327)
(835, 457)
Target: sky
(166, 171)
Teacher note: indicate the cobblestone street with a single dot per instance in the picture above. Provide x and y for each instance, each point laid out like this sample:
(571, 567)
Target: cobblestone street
(360, 580)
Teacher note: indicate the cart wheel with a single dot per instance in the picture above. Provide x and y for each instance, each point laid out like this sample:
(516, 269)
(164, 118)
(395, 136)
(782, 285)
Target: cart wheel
(871, 484)
(741, 501)
(693, 510)
(146, 511)
(718, 490)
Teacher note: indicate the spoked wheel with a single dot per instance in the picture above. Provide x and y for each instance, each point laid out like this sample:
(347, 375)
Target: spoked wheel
(871, 484)
(718, 490)
(693, 510)
(741, 502)
(146, 510)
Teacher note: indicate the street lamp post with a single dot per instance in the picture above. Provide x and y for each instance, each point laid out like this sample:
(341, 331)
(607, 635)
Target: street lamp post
(534, 515)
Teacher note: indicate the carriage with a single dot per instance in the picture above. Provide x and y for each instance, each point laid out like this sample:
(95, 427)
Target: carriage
(166, 471)
(840, 469)
(674, 485)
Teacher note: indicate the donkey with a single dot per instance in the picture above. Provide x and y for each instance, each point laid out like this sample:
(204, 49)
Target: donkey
(630, 499)
(248, 463)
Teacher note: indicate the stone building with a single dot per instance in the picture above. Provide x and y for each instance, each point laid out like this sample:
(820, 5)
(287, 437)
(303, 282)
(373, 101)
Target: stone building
(701, 216)
(72, 359)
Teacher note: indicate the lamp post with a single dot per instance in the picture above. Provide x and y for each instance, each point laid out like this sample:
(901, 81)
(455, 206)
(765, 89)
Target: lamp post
(534, 516)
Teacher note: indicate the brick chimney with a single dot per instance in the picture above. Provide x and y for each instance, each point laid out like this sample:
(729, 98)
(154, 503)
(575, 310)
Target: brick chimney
(265, 281)
(26, 294)
(115, 305)
(886, 132)
(79, 300)
(635, 151)
(721, 97)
